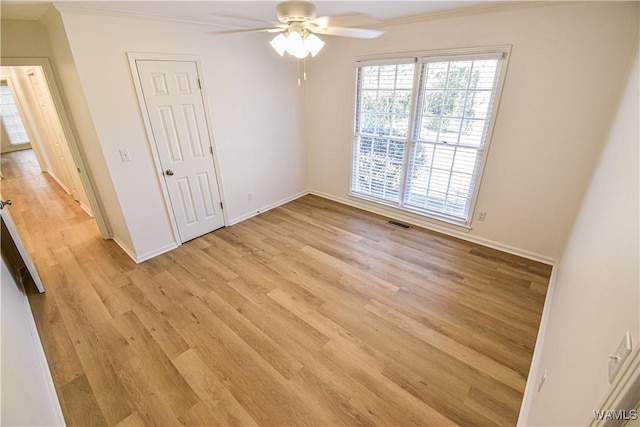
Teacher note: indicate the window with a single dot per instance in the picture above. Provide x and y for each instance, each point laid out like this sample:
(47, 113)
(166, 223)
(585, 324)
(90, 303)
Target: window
(422, 127)
(11, 120)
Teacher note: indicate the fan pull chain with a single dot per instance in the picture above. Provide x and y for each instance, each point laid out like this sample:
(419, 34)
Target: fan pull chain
(298, 73)
(304, 69)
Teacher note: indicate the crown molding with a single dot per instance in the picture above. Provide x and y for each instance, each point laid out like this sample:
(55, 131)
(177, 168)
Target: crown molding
(497, 6)
(119, 13)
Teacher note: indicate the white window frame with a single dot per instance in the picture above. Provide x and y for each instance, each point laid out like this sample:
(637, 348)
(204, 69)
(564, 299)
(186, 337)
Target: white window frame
(16, 102)
(418, 58)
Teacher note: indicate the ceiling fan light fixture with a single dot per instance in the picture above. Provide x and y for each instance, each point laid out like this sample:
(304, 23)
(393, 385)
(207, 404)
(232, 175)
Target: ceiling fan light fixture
(296, 46)
(279, 43)
(313, 44)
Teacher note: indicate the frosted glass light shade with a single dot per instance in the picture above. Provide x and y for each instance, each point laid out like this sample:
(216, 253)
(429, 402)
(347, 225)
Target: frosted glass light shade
(279, 44)
(313, 44)
(294, 44)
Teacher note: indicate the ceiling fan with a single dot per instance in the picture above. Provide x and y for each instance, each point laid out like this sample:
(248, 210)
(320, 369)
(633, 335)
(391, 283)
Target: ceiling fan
(298, 26)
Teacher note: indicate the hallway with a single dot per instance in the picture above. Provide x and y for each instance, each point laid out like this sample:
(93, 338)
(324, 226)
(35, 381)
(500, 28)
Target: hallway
(44, 214)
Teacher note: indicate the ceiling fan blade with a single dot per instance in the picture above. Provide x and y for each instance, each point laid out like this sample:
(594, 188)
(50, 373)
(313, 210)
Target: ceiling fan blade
(249, 30)
(358, 33)
(346, 20)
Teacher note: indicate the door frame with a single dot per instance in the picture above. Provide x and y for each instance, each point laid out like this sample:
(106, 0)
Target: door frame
(135, 56)
(77, 154)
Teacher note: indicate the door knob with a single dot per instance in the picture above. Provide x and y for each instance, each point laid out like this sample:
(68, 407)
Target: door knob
(168, 172)
(4, 203)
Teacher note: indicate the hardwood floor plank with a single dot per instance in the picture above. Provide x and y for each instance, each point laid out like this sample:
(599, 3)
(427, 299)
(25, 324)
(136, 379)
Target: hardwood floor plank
(279, 358)
(133, 420)
(79, 404)
(459, 351)
(313, 313)
(217, 405)
(158, 374)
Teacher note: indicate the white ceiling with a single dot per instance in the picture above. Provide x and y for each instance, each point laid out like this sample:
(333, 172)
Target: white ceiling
(210, 11)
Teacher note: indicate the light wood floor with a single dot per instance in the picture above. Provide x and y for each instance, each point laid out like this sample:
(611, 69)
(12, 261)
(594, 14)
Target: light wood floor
(313, 313)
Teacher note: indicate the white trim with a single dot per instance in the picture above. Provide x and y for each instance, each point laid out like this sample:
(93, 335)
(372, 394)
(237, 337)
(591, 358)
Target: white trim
(268, 207)
(86, 209)
(60, 183)
(425, 222)
(491, 7)
(120, 13)
(435, 57)
(532, 379)
(416, 55)
(155, 252)
(127, 250)
(388, 61)
(18, 147)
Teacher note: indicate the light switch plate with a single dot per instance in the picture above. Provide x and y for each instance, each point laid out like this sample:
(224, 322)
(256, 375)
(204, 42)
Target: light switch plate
(125, 156)
(619, 356)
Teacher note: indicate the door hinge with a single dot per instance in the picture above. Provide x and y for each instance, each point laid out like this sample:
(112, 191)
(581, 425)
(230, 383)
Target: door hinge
(221, 205)
(199, 85)
(211, 150)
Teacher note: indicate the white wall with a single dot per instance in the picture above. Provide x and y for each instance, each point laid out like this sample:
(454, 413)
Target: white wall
(27, 39)
(70, 85)
(563, 82)
(596, 294)
(253, 99)
(28, 395)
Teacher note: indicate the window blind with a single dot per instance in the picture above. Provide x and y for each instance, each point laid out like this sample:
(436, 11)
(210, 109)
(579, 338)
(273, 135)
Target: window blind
(11, 120)
(421, 131)
(383, 107)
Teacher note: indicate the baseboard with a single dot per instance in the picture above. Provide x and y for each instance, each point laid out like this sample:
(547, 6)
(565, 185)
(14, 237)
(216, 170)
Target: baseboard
(86, 209)
(454, 232)
(142, 258)
(13, 148)
(125, 248)
(268, 207)
(60, 183)
(156, 252)
(532, 379)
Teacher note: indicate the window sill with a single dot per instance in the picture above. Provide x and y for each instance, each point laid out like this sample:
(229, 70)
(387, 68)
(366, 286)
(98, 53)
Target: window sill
(412, 216)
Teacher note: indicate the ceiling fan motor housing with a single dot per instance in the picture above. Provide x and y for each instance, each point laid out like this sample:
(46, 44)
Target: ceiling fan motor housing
(295, 11)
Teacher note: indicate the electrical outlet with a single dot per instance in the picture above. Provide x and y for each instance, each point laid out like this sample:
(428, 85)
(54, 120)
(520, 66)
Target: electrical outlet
(619, 356)
(249, 196)
(482, 215)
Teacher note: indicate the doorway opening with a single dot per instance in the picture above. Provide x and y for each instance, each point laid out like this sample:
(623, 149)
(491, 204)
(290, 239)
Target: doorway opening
(30, 122)
(44, 115)
(42, 168)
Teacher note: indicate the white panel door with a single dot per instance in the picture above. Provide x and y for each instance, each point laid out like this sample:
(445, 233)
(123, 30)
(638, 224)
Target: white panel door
(176, 113)
(13, 232)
